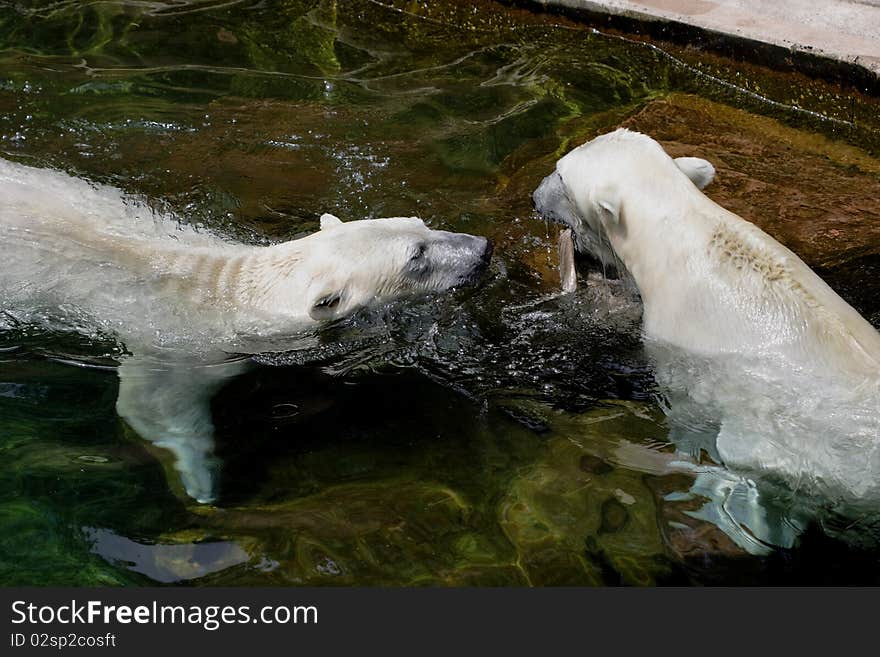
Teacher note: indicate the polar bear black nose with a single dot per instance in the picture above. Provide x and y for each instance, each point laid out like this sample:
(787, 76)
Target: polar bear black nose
(459, 258)
(551, 201)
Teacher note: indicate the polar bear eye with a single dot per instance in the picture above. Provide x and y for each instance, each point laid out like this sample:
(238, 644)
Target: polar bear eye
(418, 252)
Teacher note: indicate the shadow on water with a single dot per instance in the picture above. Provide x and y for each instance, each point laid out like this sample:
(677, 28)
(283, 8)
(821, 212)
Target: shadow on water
(506, 435)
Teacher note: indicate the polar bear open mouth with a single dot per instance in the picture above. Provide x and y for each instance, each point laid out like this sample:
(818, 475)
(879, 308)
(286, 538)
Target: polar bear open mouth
(581, 243)
(583, 240)
(573, 258)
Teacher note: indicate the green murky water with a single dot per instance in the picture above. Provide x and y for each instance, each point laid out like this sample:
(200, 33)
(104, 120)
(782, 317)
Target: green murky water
(506, 436)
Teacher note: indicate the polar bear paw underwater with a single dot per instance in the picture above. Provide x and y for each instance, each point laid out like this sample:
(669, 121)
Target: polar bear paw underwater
(84, 256)
(739, 328)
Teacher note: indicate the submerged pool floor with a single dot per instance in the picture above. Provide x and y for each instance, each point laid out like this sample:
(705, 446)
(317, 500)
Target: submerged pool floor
(506, 435)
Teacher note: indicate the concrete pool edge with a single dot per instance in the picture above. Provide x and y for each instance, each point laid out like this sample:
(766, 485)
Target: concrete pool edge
(788, 50)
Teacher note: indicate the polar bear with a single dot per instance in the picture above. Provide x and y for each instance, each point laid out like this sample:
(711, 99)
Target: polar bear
(750, 347)
(85, 256)
(69, 244)
(711, 282)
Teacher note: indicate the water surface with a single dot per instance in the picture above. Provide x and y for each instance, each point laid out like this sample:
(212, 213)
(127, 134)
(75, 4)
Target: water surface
(506, 435)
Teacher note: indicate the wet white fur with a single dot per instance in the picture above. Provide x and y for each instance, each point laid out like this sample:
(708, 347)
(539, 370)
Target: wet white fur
(106, 260)
(710, 281)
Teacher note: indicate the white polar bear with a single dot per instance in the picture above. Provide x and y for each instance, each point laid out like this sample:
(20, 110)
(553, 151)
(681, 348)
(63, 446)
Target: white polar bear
(84, 256)
(85, 250)
(710, 281)
(745, 337)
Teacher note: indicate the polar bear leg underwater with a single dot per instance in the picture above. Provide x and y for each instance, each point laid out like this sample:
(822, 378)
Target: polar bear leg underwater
(85, 254)
(718, 291)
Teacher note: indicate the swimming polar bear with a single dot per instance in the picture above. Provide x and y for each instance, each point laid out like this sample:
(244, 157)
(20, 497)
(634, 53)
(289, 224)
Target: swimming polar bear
(71, 246)
(750, 346)
(84, 256)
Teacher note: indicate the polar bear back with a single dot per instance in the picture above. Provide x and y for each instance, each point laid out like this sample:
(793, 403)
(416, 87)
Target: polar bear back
(82, 254)
(773, 288)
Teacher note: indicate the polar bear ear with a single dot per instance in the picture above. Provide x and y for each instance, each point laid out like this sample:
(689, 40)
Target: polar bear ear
(700, 171)
(607, 202)
(329, 220)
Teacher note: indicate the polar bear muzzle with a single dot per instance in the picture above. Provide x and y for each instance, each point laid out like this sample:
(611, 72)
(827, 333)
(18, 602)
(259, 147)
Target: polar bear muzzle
(349, 265)
(448, 260)
(584, 232)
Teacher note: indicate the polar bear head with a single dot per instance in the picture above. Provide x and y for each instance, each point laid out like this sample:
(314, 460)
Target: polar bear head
(348, 265)
(586, 192)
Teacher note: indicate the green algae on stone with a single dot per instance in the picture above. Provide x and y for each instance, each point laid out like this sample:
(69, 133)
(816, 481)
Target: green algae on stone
(293, 40)
(564, 522)
(375, 533)
(37, 548)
